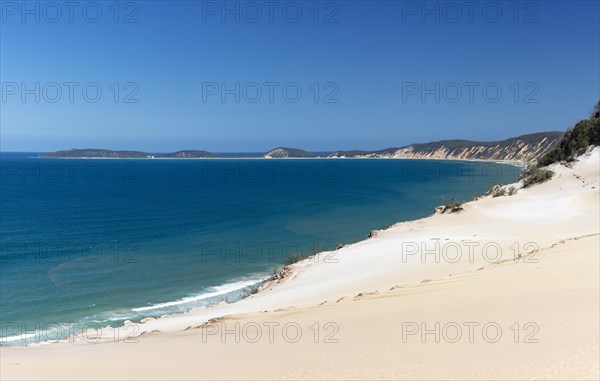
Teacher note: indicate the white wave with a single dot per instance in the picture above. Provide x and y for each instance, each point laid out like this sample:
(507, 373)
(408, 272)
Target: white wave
(36, 337)
(218, 290)
(23, 337)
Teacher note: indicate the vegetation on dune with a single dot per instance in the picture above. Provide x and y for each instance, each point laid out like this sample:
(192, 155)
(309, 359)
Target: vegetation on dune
(499, 191)
(576, 140)
(536, 175)
(451, 205)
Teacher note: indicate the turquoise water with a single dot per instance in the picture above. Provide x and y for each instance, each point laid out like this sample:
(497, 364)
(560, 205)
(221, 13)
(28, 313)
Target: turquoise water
(97, 242)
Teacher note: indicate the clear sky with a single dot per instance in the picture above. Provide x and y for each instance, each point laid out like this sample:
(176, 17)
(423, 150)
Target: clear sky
(227, 78)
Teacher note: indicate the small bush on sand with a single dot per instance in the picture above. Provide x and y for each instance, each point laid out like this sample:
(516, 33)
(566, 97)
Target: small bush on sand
(535, 175)
(576, 140)
(452, 205)
(500, 192)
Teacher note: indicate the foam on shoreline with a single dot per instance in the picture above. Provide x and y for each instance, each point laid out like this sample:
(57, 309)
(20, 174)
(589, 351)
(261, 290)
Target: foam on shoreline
(355, 272)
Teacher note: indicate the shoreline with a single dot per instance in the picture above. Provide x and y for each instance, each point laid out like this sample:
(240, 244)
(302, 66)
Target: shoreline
(554, 225)
(515, 163)
(286, 272)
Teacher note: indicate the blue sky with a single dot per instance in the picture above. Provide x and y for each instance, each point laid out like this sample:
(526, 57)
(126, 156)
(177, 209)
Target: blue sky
(371, 74)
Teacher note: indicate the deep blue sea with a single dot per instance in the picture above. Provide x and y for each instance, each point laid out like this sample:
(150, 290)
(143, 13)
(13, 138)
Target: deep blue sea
(98, 241)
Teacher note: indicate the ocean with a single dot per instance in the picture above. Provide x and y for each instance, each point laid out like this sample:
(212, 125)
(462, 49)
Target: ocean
(94, 242)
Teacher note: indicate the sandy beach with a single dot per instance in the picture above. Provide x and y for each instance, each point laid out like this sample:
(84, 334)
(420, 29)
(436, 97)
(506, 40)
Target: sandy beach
(506, 288)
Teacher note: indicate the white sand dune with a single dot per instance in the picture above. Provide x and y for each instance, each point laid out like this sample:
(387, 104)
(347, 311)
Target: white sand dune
(377, 298)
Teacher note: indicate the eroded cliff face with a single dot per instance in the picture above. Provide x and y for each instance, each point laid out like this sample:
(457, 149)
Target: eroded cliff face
(519, 151)
(526, 148)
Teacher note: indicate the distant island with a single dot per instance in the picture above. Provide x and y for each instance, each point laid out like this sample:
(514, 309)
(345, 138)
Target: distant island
(93, 153)
(525, 148)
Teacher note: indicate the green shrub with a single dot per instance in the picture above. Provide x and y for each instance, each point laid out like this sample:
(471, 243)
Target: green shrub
(595, 131)
(500, 192)
(576, 140)
(452, 205)
(535, 175)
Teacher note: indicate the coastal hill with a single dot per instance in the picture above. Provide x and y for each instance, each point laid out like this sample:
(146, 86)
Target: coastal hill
(97, 153)
(109, 154)
(525, 148)
(283, 152)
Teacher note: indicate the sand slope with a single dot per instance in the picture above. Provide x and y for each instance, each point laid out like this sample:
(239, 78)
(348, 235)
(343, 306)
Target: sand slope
(544, 303)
